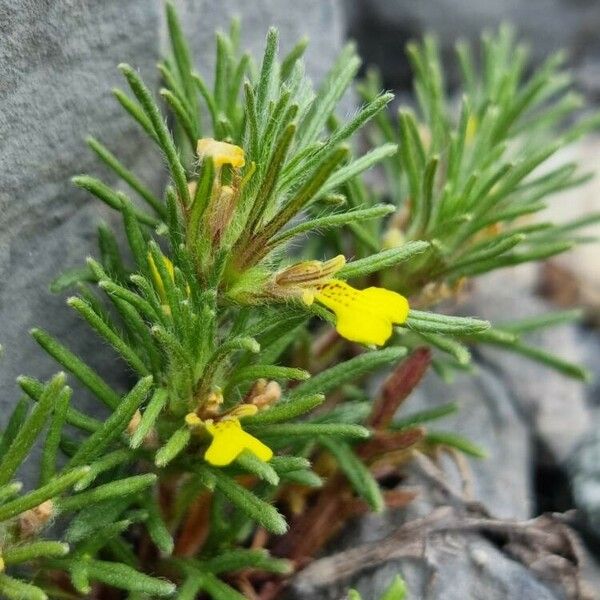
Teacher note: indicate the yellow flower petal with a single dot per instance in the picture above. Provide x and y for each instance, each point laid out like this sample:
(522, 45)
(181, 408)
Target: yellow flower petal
(229, 441)
(222, 153)
(156, 278)
(364, 316)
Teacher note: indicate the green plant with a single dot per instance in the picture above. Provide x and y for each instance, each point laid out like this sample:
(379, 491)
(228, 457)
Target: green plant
(248, 438)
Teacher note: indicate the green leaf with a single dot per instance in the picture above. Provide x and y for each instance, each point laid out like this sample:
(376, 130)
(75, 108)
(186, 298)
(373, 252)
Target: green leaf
(104, 463)
(33, 550)
(363, 483)
(75, 365)
(17, 418)
(175, 445)
(346, 371)
(52, 442)
(114, 425)
(396, 591)
(217, 589)
(30, 429)
(336, 220)
(109, 197)
(356, 167)
(149, 417)
(164, 137)
(425, 416)
(126, 578)
(453, 440)
(34, 389)
(382, 260)
(249, 503)
(114, 338)
(424, 322)
(253, 372)
(309, 430)
(113, 489)
(113, 162)
(157, 529)
(13, 589)
(69, 278)
(241, 558)
(252, 464)
(52, 489)
(286, 410)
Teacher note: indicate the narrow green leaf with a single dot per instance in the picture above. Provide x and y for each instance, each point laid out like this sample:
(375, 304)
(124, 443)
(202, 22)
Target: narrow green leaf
(241, 558)
(309, 430)
(33, 550)
(34, 389)
(335, 220)
(135, 110)
(253, 372)
(383, 260)
(30, 429)
(286, 410)
(157, 529)
(252, 464)
(52, 442)
(52, 489)
(425, 416)
(114, 489)
(249, 503)
(346, 371)
(164, 137)
(114, 425)
(443, 438)
(104, 463)
(424, 322)
(110, 197)
(13, 589)
(358, 474)
(17, 418)
(149, 417)
(115, 339)
(175, 445)
(75, 365)
(113, 162)
(124, 577)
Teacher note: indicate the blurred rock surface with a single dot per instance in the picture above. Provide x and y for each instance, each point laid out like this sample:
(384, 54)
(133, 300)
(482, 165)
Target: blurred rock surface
(382, 27)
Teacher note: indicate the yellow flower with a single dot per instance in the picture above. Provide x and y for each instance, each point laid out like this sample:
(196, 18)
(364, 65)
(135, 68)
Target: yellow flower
(304, 278)
(230, 440)
(158, 282)
(364, 316)
(472, 125)
(222, 153)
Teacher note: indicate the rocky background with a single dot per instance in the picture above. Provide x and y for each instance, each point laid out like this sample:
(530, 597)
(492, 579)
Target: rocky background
(57, 66)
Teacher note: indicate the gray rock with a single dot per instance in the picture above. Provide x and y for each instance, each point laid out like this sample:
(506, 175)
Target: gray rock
(584, 468)
(382, 28)
(554, 406)
(446, 556)
(57, 67)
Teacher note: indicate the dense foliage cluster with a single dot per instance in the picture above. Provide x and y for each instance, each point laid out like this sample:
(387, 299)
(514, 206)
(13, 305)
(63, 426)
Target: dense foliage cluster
(248, 436)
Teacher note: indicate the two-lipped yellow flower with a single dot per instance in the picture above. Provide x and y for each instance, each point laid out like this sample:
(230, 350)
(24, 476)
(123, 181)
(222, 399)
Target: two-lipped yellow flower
(363, 316)
(229, 440)
(221, 153)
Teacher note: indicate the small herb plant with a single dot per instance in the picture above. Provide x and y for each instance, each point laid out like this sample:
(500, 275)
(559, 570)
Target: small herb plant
(256, 296)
